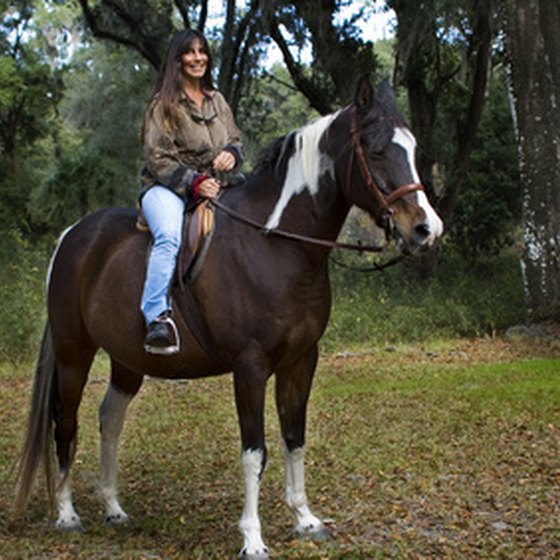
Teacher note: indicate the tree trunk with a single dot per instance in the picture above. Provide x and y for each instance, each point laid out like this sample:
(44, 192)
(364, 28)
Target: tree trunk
(533, 45)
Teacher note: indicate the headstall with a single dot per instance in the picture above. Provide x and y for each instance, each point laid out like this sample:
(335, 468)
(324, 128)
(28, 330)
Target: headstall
(384, 214)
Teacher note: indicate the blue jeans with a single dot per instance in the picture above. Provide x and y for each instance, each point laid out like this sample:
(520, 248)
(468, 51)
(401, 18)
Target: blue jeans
(163, 211)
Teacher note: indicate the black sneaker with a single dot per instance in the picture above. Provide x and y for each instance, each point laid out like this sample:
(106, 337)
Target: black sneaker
(162, 337)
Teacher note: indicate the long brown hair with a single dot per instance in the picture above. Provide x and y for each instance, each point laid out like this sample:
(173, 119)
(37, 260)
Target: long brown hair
(169, 85)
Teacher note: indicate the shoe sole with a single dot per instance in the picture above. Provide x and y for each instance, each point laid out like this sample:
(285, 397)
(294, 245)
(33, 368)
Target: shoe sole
(161, 350)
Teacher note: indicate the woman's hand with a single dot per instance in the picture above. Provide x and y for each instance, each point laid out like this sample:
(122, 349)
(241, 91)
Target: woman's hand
(209, 188)
(224, 161)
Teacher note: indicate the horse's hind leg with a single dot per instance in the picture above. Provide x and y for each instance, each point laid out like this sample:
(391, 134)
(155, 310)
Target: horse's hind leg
(122, 388)
(71, 379)
(293, 385)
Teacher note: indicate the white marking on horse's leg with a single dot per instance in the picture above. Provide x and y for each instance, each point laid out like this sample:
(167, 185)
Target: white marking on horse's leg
(68, 519)
(111, 421)
(306, 522)
(249, 524)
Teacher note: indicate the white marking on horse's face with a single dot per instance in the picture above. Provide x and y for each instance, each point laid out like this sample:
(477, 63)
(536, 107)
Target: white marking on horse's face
(305, 167)
(404, 138)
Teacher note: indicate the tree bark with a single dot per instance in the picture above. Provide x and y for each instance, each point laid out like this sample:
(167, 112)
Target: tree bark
(533, 47)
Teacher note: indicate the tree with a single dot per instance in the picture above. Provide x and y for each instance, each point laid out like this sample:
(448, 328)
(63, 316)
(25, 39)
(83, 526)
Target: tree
(99, 154)
(532, 34)
(488, 211)
(443, 54)
(146, 26)
(339, 55)
(29, 92)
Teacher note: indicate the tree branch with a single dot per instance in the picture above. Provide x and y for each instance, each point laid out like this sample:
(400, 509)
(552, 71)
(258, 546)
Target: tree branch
(145, 46)
(183, 8)
(313, 95)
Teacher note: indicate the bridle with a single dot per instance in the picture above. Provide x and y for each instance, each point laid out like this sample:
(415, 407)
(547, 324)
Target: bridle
(384, 213)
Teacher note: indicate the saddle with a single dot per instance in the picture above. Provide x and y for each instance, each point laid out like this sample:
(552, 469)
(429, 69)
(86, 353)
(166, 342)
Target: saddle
(198, 225)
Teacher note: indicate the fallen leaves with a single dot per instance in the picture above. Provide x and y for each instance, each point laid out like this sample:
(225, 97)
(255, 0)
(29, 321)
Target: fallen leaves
(451, 451)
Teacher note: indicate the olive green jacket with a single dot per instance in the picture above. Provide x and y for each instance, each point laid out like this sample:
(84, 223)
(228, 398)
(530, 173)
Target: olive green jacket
(175, 158)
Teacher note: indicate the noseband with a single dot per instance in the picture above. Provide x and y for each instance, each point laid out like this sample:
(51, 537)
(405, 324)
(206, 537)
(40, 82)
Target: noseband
(384, 213)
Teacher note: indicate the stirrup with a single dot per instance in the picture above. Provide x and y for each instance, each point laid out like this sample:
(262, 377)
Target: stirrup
(172, 348)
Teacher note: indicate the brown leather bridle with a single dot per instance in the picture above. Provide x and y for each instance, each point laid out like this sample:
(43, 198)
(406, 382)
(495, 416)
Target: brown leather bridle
(384, 212)
(383, 216)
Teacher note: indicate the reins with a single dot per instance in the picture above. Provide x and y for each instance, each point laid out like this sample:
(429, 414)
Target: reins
(359, 247)
(375, 267)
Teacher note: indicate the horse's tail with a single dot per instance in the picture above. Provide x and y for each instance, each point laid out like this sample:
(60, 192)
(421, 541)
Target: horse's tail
(38, 446)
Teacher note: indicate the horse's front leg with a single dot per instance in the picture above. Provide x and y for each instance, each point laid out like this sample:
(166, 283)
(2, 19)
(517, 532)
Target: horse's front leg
(293, 385)
(250, 376)
(124, 385)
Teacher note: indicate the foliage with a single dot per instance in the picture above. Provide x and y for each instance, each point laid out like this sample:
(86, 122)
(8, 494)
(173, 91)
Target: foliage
(22, 294)
(271, 109)
(450, 451)
(340, 55)
(29, 91)
(489, 207)
(398, 306)
(99, 153)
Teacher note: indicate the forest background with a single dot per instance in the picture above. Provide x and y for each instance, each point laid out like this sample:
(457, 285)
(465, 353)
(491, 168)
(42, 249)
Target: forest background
(477, 80)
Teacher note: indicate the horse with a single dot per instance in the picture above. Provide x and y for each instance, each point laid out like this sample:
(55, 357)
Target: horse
(257, 307)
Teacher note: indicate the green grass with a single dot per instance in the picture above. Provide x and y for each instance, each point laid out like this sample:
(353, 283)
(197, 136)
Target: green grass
(447, 450)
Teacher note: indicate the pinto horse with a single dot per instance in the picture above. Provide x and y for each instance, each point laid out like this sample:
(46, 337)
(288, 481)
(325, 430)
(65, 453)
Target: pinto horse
(257, 307)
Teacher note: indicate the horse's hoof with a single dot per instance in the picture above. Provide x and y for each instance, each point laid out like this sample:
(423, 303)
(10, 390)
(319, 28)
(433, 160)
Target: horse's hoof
(321, 534)
(71, 525)
(318, 534)
(117, 520)
(260, 555)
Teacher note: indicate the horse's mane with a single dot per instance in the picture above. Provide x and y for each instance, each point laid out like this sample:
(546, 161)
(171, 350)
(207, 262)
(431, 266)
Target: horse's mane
(384, 109)
(277, 153)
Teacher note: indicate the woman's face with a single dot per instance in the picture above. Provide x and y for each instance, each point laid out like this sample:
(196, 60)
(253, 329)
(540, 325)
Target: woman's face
(195, 61)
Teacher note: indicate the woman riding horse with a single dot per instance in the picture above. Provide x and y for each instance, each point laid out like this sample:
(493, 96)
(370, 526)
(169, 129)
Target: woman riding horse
(362, 155)
(188, 135)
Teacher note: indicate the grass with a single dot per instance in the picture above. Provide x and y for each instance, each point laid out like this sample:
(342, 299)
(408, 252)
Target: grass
(441, 450)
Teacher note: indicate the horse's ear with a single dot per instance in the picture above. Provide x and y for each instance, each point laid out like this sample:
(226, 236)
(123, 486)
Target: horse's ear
(364, 94)
(385, 92)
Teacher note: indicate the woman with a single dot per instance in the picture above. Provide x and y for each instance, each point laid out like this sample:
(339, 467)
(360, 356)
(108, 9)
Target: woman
(189, 135)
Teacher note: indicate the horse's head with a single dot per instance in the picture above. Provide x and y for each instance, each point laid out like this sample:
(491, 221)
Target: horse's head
(382, 177)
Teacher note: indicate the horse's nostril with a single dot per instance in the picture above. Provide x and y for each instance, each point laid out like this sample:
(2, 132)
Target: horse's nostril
(422, 230)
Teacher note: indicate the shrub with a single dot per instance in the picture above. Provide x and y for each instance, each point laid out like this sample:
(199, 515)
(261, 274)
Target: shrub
(22, 309)
(400, 306)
